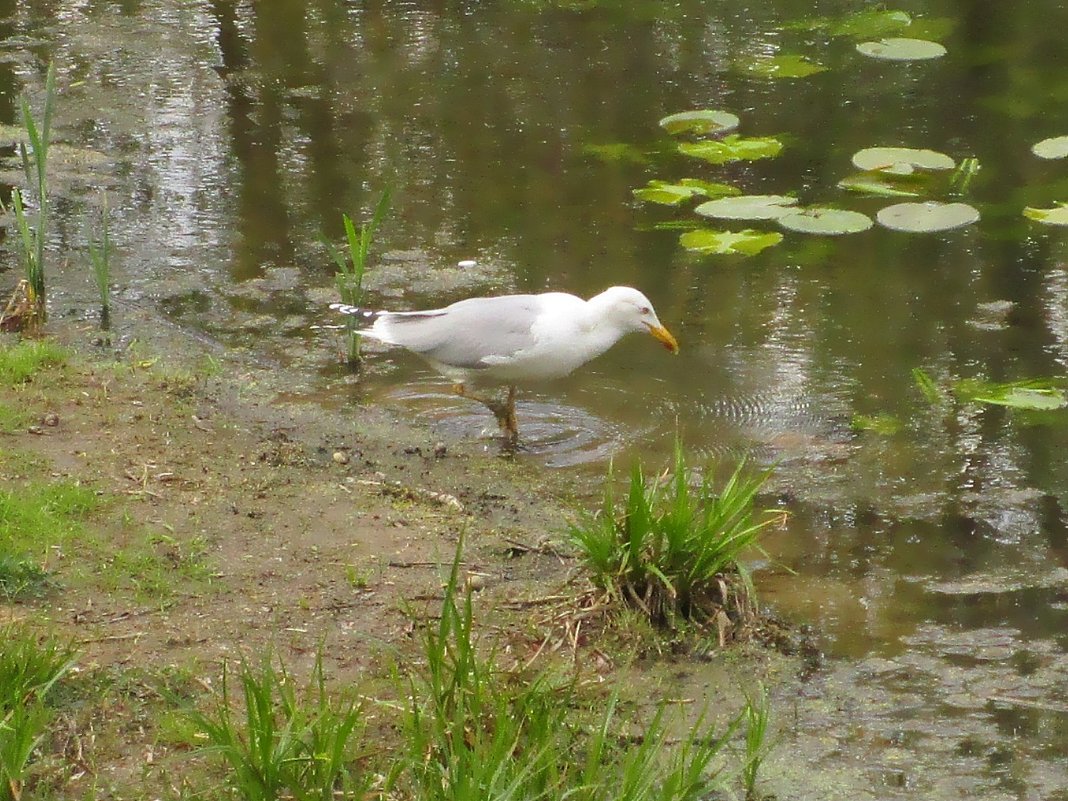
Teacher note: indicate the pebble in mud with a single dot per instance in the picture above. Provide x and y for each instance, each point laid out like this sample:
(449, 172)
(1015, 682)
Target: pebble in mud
(477, 581)
(340, 457)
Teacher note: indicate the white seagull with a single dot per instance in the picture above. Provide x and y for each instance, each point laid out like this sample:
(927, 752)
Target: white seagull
(514, 338)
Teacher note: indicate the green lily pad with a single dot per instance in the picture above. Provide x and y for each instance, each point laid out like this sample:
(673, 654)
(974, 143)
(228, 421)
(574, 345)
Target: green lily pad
(733, 148)
(1058, 215)
(1054, 148)
(786, 65)
(927, 217)
(703, 121)
(879, 184)
(866, 24)
(1038, 394)
(748, 207)
(829, 222)
(618, 152)
(901, 160)
(745, 243)
(901, 49)
(669, 194)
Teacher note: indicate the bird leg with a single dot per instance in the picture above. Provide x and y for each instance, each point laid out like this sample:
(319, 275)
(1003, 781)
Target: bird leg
(503, 410)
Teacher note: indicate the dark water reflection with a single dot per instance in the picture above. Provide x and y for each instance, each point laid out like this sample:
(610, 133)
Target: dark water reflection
(234, 134)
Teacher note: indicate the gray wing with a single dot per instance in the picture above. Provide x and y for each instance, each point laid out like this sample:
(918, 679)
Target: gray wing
(466, 333)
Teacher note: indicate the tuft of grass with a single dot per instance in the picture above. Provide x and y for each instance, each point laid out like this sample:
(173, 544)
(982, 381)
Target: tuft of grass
(353, 265)
(21, 577)
(153, 565)
(757, 715)
(100, 261)
(32, 237)
(21, 361)
(34, 517)
(279, 745)
(14, 419)
(673, 550)
(29, 668)
(474, 733)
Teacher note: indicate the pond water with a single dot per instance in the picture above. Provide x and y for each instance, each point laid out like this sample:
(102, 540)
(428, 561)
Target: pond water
(931, 552)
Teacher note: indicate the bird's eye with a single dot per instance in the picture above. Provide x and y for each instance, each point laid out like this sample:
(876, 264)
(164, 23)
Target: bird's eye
(645, 310)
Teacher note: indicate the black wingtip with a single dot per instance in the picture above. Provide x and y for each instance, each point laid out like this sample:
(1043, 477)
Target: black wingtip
(365, 315)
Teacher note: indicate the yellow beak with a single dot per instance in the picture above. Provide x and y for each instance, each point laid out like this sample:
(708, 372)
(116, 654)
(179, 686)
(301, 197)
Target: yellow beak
(665, 337)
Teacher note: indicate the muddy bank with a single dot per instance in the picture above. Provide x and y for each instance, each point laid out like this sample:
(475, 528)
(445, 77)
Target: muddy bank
(232, 523)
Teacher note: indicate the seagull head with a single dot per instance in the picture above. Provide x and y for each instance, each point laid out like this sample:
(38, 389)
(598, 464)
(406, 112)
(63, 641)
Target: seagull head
(630, 310)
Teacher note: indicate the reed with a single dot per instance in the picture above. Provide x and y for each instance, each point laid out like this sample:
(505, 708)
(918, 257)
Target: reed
(353, 265)
(33, 227)
(29, 668)
(100, 261)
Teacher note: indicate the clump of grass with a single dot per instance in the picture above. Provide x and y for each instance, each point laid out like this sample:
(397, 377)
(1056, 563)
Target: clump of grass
(20, 577)
(32, 238)
(14, 418)
(20, 362)
(673, 549)
(100, 260)
(32, 518)
(156, 564)
(279, 745)
(353, 265)
(29, 668)
(757, 715)
(475, 732)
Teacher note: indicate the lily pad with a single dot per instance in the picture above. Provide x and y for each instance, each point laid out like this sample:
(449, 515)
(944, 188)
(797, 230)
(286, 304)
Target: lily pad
(829, 222)
(870, 23)
(748, 207)
(669, 194)
(733, 148)
(901, 160)
(703, 121)
(901, 49)
(745, 243)
(1058, 215)
(927, 217)
(786, 65)
(880, 185)
(866, 24)
(1053, 148)
(1036, 394)
(618, 152)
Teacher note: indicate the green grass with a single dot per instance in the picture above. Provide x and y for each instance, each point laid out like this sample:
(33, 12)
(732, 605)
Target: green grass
(33, 518)
(281, 745)
(475, 733)
(757, 716)
(21, 578)
(153, 565)
(33, 236)
(353, 265)
(29, 667)
(14, 419)
(22, 361)
(669, 548)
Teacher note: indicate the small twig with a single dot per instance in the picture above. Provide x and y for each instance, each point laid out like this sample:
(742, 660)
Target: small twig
(418, 564)
(114, 637)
